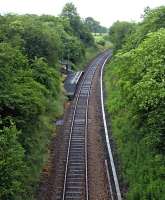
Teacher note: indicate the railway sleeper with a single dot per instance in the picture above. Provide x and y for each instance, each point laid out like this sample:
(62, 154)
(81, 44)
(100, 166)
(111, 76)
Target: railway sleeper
(76, 180)
(78, 139)
(78, 149)
(78, 135)
(77, 158)
(78, 142)
(75, 175)
(75, 163)
(77, 183)
(74, 193)
(81, 105)
(80, 112)
(74, 187)
(79, 127)
(77, 146)
(79, 120)
(77, 170)
(73, 198)
(78, 155)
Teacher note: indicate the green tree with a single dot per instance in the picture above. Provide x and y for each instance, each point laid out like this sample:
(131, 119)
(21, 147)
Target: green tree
(136, 94)
(94, 26)
(154, 19)
(41, 41)
(31, 92)
(79, 28)
(119, 32)
(73, 49)
(12, 164)
(28, 102)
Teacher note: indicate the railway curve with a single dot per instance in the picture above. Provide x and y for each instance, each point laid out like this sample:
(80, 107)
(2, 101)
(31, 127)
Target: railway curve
(84, 168)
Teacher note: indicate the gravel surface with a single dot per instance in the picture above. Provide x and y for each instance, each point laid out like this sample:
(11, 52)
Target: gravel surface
(52, 181)
(53, 174)
(96, 154)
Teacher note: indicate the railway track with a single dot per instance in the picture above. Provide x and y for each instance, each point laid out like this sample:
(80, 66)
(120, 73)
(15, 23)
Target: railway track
(75, 184)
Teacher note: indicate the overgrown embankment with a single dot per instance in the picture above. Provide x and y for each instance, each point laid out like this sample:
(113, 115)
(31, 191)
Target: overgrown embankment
(135, 88)
(31, 91)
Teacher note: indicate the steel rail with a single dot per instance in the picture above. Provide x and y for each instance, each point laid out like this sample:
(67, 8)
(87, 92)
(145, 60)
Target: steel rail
(86, 146)
(71, 130)
(109, 180)
(70, 137)
(115, 178)
(86, 149)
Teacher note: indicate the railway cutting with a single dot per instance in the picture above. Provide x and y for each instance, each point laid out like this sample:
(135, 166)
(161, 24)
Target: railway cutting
(84, 167)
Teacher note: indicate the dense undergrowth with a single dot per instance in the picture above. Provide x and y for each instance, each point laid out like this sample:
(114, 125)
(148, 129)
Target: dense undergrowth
(31, 91)
(135, 87)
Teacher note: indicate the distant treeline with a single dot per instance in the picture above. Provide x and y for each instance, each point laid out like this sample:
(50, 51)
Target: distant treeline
(94, 26)
(135, 86)
(31, 92)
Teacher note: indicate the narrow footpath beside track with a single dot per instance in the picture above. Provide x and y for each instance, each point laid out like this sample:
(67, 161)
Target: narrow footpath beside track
(81, 172)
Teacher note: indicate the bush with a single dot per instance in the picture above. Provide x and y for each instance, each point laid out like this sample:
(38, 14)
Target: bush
(136, 95)
(12, 164)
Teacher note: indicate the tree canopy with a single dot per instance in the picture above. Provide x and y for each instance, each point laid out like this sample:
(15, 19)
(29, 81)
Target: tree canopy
(119, 32)
(31, 91)
(79, 27)
(136, 95)
(94, 26)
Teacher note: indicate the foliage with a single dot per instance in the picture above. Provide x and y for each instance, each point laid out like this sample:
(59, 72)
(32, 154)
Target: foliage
(79, 27)
(11, 164)
(41, 41)
(136, 95)
(91, 52)
(153, 20)
(30, 97)
(101, 42)
(74, 50)
(31, 91)
(24, 101)
(119, 32)
(94, 26)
